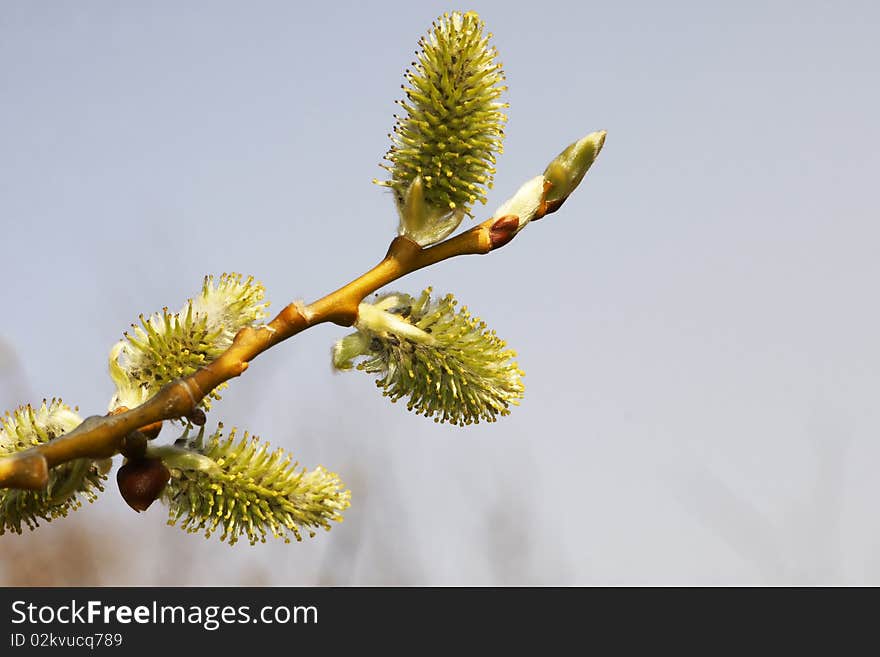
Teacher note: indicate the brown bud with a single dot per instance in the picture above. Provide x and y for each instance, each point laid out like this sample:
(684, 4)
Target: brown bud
(197, 417)
(141, 482)
(502, 231)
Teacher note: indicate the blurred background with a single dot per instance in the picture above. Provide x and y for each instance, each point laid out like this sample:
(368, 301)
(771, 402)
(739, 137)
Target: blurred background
(698, 324)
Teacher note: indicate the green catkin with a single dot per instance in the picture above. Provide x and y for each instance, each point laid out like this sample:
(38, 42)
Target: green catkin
(452, 129)
(69, 483)
(462, 374)
(167, 346)
(250, 490)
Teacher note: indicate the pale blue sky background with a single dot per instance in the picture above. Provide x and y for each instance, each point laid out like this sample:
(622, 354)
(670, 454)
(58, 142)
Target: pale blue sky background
(698, 324)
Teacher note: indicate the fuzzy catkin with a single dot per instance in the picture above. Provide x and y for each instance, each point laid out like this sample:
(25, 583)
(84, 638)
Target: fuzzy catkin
(452, 129)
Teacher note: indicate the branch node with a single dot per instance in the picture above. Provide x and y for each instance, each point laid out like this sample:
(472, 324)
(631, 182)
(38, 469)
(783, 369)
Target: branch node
(403, 249)
(194, 397)
(300, 306)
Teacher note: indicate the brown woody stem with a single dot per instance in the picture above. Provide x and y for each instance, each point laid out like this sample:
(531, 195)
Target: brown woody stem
(100, 437)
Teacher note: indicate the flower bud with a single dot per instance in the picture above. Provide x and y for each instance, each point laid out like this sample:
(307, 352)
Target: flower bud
(568, 169)
(141, 482)
(524, 205)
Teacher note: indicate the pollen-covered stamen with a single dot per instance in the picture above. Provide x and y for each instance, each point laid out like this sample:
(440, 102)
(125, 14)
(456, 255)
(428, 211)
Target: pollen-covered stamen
(68, 483)
(447, 364)
(242, 488)
(452, 127)
(167, 346)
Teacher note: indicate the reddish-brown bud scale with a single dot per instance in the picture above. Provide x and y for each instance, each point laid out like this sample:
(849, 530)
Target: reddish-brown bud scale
(553, 206)
(546, 207)
(197, 417)
(141, 482)
(502, 231)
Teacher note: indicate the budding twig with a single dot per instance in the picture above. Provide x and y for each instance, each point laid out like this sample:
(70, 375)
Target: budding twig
(443, 360)
(101, 437)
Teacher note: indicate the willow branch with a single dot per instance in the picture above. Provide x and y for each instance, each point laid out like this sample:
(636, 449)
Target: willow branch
(101, 437)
